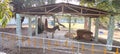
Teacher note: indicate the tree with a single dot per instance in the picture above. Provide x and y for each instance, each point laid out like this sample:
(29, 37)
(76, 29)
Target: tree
(112, 6)
(22, 4)
(5, 12)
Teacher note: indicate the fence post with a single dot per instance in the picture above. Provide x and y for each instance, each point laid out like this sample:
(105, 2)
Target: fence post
(34, 42)
(43, 45)
(66, 43)
(72, 48)
(29, 42)
(49, 43)
(82, 48)
(56, 43)
(105, 50)
(92, 49)
(2, 39)
(117, 51)
(78, 48)
(22, 39)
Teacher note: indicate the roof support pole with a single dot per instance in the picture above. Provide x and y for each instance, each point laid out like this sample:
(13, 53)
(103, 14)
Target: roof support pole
(86, 23)
(54, 20)
(36, 26)
(40, 22)
(69, 24)
(18, 24)
(30, 27)
(110, 32)
(18, 29)
(96, 29)
(89, 24)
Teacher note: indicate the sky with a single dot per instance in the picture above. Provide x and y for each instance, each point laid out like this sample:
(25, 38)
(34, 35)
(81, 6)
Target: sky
(65, 1)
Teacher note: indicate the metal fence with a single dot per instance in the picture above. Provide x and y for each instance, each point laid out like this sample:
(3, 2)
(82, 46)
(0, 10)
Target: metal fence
(15, 44)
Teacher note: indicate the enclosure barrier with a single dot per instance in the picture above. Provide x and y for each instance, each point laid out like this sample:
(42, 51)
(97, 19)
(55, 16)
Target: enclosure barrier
(105, 50)
(72, 46)
(92, 49)
(66, 46)
(117, 51)
(82, 48)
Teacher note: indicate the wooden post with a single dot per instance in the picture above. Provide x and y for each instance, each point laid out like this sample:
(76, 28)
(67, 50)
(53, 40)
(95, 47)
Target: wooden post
(66, 43)
(117, 51)
(110, 32)
(28, 42)
(54, 20)
(82, 48)
(36, 26)
(56, 43)
(89, 25)
(92, 49)
(35, 42)
(96, 29)
(69, 24)
(30, 27)
(2, 38)
(105, 51)
(86, 23)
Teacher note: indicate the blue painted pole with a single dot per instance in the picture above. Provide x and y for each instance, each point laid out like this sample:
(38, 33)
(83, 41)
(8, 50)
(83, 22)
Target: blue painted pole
(110, 32)
(18, 24)
(30, 27)
(89, 25)
(36, 26)
(18, 30)
(96, 29)
(69, 24)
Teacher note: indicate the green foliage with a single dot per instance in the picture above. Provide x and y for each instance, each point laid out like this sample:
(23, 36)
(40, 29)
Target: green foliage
(5, 12)
(112, 6)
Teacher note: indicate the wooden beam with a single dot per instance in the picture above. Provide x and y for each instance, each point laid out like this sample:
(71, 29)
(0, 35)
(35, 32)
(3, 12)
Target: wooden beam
(39, 7)
(52, 9)
(64, 13)
(110, 32)
(73, 9)
(88, 9)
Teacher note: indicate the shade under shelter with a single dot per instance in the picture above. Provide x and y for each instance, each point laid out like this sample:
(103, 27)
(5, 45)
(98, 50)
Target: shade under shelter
(64, 8)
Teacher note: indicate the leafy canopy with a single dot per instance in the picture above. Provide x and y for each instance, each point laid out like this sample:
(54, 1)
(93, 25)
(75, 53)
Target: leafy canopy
(5, 12)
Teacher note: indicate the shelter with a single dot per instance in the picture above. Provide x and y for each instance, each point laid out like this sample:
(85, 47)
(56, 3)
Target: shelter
(62, 8)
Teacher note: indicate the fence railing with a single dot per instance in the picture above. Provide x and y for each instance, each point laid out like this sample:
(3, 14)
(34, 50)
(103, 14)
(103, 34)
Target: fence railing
(12, 43)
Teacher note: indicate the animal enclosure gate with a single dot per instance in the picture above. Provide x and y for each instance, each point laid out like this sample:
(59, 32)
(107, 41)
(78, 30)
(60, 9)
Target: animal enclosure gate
(14, 44)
